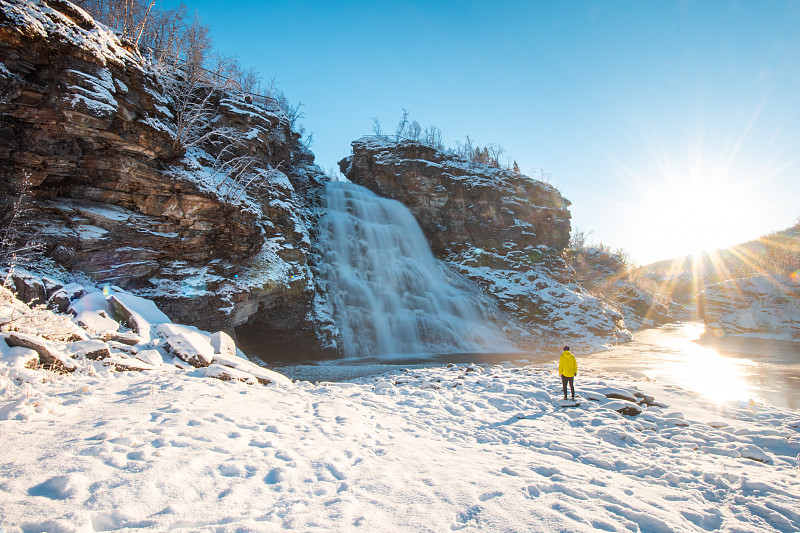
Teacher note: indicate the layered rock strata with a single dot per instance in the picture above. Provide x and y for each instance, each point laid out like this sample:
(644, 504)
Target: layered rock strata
(88, 132)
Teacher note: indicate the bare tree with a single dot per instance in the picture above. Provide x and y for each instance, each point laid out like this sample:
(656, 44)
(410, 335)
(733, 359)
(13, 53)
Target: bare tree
(376, 128)
(19, 246)
(400, 130)
(414, 131)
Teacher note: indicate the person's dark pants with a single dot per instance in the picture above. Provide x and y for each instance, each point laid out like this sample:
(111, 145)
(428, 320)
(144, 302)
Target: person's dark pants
(571, 381)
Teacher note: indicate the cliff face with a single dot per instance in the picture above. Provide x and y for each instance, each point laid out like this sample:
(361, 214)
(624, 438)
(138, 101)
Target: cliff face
(765, 306)
(460, 204)
(90, 131)
(506, 232)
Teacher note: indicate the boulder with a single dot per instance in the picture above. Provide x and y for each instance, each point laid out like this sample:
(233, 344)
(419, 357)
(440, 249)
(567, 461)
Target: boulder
(263, 375)
(226, 373)
(138, 313)
(751, 451)
(130, 339)
(187, 344)
(96, 322)
(49, 355)
(121, 363)
(624, 407)
(29, 288)
(92, 349)
(151, 357)
(223, 343)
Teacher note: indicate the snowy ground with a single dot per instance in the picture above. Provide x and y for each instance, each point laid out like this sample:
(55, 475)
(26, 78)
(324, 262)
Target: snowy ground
(462, 448)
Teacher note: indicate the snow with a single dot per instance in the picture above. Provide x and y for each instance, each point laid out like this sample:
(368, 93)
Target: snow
(38, 19)
(463, 448)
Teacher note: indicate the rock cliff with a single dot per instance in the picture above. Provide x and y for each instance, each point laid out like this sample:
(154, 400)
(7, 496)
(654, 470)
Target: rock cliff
(504, 231)
(89, 132)
(461, 204)
(760, 306)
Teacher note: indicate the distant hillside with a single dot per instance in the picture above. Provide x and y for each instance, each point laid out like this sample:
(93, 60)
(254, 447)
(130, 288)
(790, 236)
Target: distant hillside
(680, 279)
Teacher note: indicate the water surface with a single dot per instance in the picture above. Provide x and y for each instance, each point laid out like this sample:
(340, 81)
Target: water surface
(720, 369)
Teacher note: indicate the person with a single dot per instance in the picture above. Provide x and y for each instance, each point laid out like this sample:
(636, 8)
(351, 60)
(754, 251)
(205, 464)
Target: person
(568, 369)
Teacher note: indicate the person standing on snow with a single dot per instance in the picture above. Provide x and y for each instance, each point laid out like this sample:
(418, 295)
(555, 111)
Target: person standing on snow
(568, 369)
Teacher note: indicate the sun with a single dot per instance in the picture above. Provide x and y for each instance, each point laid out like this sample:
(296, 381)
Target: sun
(696, 214)
(683, 209)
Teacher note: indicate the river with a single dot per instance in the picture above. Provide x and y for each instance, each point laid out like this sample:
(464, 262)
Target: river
(721, 369)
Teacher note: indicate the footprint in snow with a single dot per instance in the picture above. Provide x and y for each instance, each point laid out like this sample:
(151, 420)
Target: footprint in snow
(274, 476)
(335, 472)
(230, 470)
(545, 471)
(489, 495)
(463, 519)
(73, 485)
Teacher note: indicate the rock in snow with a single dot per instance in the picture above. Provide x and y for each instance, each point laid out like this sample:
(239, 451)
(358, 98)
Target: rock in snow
(104, 343)
(186, 343)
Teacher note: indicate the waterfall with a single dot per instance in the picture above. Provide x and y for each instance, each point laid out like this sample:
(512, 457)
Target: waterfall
(390, 295)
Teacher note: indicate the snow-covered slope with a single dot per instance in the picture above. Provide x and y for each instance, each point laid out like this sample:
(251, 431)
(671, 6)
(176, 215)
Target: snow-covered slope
(465, 448)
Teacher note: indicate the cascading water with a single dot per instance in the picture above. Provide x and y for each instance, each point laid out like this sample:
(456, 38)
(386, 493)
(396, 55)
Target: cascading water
(389, 294)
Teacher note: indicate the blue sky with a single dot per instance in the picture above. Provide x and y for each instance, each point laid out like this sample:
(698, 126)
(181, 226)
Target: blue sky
(671, 126)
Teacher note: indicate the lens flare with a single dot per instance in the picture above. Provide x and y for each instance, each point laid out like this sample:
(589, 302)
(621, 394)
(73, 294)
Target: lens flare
(795, 276)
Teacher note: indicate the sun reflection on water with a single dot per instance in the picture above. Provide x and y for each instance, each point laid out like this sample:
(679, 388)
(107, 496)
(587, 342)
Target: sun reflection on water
(704, 370)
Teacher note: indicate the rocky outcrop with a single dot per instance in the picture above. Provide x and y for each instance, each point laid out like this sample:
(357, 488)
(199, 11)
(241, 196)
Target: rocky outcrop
(605, 274)
(460, 204)
(504, 231)
(761, 306)
(88, 132)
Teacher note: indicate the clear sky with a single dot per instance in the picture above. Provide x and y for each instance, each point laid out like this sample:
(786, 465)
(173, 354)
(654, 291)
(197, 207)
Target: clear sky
(670, 126)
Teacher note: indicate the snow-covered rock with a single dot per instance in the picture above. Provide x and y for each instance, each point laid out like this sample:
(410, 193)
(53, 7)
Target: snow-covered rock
(49, 354)
(223, 344)
(138, 313)
(760, 306)
(186, 343)
(97, 322)
(91, 349)
(151, 357)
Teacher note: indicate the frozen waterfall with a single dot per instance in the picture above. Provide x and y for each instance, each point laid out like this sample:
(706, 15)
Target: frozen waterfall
(390, 295)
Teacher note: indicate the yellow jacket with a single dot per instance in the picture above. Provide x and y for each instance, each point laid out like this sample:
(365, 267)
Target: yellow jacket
(567, 366)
